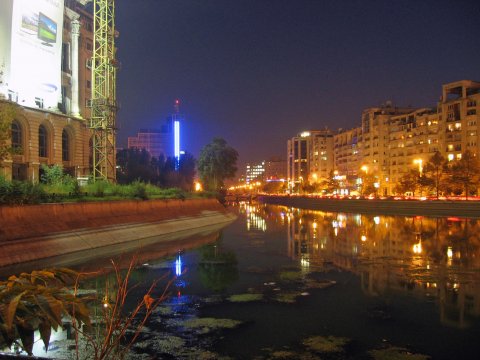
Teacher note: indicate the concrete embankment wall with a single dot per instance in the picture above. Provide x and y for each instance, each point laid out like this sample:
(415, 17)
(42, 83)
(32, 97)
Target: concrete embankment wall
(40, 231)
(436, 208)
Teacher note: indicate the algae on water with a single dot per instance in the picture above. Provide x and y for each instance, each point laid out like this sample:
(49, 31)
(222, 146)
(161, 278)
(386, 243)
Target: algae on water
(326, 344)
(396, 353)
(291, 275)
(207, 325)
(245, 297)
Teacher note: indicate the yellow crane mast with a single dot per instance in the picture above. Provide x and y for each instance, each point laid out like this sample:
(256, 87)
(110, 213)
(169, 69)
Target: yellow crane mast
(103, 102)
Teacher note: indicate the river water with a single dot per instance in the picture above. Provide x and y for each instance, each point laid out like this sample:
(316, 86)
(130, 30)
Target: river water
(291, 283)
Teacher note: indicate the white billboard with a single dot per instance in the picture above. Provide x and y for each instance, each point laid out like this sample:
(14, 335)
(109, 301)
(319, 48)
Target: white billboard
(31, 51)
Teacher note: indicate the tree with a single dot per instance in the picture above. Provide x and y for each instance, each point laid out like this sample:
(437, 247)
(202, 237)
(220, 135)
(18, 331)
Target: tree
(434, 170)
(368, 184)
(134, 164)
(7, 114)
(186, 169)
(465, 173)
(331, 184)
(408, 182)
(216, 163)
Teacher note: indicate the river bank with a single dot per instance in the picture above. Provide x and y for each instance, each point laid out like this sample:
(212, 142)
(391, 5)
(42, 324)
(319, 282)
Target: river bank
(435, 208)
(29, 233)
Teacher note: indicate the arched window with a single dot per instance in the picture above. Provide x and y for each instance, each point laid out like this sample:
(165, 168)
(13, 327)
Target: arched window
(42, 141)
(65, 145)
(17, 137)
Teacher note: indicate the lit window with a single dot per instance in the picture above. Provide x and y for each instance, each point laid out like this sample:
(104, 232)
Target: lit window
(451, 157)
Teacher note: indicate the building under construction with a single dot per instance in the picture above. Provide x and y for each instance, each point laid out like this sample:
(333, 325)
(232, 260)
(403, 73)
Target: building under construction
(57, 68)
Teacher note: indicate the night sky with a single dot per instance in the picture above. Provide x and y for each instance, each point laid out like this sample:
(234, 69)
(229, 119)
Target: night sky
(257, 72)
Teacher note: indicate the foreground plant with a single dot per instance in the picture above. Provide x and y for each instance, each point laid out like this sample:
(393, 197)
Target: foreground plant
(110, 341)
(43, 300)
(38, 301)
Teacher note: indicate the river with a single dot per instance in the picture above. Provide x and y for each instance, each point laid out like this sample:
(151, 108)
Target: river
(291, 283)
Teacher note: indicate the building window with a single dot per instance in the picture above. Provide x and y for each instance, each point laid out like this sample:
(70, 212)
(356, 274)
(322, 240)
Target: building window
(65, 146)
(42, 141)
(39, 102)
(89, 84)
(89, 45)
(16, 137)
(66, 57)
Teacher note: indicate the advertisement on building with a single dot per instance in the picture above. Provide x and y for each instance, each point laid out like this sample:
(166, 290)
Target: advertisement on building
(31, 46)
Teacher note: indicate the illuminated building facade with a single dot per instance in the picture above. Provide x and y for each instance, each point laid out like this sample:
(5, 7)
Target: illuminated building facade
(50, 93)
(392, 141)
(297, 159)
(255, 172)
(275, 169)
(155, 141)
(310, 156)
(165, 140)
(321, 155)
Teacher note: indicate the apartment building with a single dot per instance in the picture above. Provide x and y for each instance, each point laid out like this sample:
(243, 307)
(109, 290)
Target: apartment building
(391, 140)
(310, 156)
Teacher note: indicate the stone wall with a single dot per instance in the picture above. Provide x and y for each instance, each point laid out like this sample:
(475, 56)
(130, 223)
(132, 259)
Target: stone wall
(30, 233)
(20, 222)
(435, 208)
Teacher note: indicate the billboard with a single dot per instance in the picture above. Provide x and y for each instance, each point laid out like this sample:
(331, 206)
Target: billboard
(31, 49)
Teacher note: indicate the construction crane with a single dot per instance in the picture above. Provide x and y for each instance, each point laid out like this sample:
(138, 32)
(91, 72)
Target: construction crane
(103, 102)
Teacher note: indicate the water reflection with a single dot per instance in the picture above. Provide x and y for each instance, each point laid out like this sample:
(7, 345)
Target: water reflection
(217, 268)
(433, 258)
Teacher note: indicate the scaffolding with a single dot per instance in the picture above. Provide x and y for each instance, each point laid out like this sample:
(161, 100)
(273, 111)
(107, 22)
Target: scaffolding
(103, 102)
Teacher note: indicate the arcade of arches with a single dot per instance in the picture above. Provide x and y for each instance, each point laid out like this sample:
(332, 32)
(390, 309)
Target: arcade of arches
(43, 137)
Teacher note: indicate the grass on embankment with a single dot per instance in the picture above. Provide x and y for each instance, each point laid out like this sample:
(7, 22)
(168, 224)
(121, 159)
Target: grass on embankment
(18, 192)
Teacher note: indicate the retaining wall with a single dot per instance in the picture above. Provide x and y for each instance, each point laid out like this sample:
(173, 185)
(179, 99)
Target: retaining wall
(40, 231)
(434, 208)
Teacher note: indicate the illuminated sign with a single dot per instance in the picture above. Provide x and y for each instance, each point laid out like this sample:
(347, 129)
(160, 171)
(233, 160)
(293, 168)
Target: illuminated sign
(30, 51)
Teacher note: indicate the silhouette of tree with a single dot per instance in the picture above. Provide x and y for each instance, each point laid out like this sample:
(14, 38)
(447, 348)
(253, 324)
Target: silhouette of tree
(465, 173)
(216, 163)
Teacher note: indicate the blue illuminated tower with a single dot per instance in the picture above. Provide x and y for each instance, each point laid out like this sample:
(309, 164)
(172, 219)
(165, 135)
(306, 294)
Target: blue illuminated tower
(177, 119)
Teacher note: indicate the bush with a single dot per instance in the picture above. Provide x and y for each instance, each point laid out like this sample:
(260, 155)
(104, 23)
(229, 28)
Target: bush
(17, 192)
(139, 190)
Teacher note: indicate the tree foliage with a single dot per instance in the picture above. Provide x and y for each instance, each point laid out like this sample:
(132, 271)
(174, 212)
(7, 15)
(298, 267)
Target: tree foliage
(434, 170)
(139, 165)
(216, 163)
(465, 173)
(408, 182)
(7, 115)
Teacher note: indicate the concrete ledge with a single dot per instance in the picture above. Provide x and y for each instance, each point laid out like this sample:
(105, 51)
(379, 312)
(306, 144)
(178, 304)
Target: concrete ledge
(20, 222)
(435, 208)
(38, 232)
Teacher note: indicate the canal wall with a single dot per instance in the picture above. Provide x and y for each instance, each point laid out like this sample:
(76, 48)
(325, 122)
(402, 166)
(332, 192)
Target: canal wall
(435, 208)
(35, 232)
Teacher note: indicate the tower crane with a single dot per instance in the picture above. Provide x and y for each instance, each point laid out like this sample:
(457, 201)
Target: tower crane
(103, 103)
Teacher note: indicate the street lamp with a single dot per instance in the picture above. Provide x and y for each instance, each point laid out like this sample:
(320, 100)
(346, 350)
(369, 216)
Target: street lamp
(420, 167)
(364, 168)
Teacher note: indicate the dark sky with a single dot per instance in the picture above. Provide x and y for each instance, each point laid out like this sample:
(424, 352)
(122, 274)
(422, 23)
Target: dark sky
(257, 72)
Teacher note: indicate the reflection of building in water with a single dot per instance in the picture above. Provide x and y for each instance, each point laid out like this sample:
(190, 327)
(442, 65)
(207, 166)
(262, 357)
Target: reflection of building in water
(254, 220)
(438, 258)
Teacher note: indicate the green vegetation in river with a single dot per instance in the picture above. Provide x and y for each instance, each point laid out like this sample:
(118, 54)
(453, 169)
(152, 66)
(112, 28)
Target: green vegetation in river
(396, 353)
(326, 344)
(245, 297)
(207, 325)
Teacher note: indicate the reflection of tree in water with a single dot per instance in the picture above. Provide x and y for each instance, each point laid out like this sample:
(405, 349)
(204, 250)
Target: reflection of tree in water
(217, 268)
